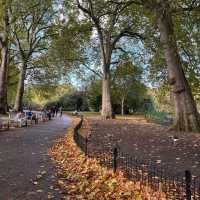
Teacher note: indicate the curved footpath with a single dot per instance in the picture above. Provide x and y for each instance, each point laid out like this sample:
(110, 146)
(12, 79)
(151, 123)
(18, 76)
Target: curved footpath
(26, 170)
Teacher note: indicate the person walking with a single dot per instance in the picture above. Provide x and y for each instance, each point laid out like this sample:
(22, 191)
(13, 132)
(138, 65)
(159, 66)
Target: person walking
(52, 111)
(60, 109)
(56, 110)
(49, 114)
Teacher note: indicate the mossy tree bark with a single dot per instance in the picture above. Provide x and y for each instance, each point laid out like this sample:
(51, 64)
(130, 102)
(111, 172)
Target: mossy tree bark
(4, 63)
(186, 115)
(20, 89)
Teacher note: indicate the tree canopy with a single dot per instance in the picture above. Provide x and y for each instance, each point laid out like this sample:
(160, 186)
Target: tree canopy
(112, 52)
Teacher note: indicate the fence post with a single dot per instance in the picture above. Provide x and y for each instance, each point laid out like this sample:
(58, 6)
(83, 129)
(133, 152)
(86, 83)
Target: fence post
(188, 180)
(115, 159)
(86, 146)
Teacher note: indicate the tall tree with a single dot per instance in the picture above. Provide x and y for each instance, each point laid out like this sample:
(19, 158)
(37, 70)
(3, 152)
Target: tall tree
(186, 114)
(4, 34)
(33, 19)
(111, 22)
(127, 78)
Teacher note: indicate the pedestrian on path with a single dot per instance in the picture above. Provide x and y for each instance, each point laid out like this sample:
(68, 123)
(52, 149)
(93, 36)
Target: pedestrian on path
(60, 109)
(56, 110)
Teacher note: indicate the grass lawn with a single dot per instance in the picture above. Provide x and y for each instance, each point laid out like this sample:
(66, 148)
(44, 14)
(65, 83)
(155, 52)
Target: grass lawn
(98, 114)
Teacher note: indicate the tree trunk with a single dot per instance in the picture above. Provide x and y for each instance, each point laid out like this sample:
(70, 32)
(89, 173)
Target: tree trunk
(3, 80)
(186, 114)
(4, 65)
(122, 106)
(106, 52)
(106, 97)
(20, 90)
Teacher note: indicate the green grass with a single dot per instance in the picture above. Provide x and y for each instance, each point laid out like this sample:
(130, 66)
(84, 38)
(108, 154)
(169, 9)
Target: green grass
(91, 114)
(98, 114)
(156, 116)
(87, 114)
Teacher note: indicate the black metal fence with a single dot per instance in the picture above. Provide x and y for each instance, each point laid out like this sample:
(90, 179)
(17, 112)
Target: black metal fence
(181, 186)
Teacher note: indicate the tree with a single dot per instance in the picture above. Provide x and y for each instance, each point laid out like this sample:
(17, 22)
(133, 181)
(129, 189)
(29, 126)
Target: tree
(74, 100)
(94, 95)
(33, 19)
(66, 54)
(111, 22)
(127, 86)
(13, 78)
(4, 45)
(42, 94)
(186, 114)
(187, 31)
(126, 79)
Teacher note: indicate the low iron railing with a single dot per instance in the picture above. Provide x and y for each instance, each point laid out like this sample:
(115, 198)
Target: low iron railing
(182, 186)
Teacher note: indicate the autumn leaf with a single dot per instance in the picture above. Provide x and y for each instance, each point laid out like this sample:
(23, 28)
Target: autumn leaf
(83, 178)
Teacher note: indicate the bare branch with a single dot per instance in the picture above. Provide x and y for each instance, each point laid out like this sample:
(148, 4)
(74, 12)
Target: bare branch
(126, 33)
(127, 2)
(194, 6)
(82, 8)
(92, 70)
(115, 62)
(121, 49)
(19, 45)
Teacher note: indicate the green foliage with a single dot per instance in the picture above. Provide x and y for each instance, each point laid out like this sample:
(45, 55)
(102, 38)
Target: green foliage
(162, 98)
(94, 95)
(70, 100)
(158, 117)
(66, 49)
(45, 94)
(70, 46)
(4, 6)
(74, 101)
(13, 76)
(133, 89)
(127, 86)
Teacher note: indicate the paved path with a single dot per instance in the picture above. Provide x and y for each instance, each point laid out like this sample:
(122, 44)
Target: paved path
(23, 156)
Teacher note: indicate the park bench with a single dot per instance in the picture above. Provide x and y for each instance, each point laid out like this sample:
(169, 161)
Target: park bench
(75, 113)
(30, 118)
(4, 124)
(44, 116)
(36, 116)
(40, 116)
(17, 119)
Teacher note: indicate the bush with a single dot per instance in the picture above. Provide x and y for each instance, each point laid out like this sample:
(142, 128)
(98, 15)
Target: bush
(71, 101)
(158, 117)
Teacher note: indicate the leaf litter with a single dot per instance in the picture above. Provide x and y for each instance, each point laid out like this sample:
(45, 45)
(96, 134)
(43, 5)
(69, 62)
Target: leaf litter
(84, 178)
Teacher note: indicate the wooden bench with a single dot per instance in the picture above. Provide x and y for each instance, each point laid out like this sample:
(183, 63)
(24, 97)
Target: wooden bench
(41, 116)
(29, 118)
(17, 119)
(36, 116)
(4, 124)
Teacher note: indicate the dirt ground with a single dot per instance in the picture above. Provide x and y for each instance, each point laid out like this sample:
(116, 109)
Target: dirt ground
(148, 141)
